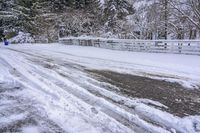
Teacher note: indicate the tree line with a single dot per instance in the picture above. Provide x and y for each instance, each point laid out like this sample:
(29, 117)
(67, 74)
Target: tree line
(138, 19)
(167, 19)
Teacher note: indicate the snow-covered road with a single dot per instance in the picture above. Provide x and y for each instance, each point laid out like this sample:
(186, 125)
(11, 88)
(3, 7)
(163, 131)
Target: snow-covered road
(46, 88)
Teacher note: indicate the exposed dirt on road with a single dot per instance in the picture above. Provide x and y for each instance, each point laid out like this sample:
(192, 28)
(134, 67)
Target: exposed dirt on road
(181, 101)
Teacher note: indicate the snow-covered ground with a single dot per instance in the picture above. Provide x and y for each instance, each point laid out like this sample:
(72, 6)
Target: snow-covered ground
(46, 88)
(172, 67)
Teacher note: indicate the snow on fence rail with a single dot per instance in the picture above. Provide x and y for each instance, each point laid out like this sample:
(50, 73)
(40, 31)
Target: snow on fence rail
(161, 46)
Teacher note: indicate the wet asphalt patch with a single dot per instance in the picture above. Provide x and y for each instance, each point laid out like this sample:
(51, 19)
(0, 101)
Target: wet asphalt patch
(179, 100)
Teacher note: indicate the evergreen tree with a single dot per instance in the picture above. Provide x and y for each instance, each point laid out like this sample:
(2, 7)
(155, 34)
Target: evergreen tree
(8, 17)
(95, 11)
(80, 4)
(26, 13)
(116, 10)
(60, 5)
(17, 15)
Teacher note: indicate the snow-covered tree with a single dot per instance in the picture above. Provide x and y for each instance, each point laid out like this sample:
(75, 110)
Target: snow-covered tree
(188, 10)
(8, 17)
(17, 15)
(114, 12)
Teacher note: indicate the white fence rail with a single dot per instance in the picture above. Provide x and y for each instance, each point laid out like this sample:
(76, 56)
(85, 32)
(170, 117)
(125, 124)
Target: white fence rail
(159, 46)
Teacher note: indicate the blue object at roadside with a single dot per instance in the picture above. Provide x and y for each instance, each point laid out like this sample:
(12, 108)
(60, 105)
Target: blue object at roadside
(6, 43)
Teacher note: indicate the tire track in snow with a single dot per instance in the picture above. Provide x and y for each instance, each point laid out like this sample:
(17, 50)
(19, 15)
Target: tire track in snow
(17, 109)
(84, 111)
(105, 109)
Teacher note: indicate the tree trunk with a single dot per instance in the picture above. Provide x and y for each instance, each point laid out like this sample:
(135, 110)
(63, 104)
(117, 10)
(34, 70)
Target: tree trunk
(166, 17)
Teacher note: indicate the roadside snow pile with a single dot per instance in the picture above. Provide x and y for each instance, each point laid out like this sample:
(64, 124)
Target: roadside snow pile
(22, 38)
(189, 124)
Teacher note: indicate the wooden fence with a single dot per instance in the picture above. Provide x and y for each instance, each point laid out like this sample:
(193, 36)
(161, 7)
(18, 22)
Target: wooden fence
(159, 46)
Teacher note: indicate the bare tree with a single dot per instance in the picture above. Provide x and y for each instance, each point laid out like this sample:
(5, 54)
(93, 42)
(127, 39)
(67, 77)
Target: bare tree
(190, 9)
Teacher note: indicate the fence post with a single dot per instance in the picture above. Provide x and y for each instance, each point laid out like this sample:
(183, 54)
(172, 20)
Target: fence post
(165, 45)
(180, 47)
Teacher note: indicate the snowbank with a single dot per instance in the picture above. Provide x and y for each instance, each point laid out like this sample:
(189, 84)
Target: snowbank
(22, 38)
